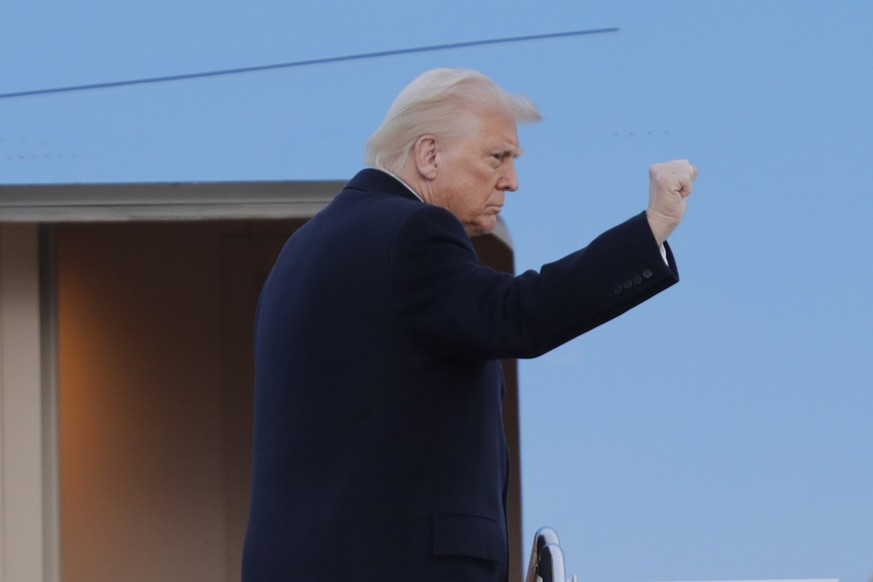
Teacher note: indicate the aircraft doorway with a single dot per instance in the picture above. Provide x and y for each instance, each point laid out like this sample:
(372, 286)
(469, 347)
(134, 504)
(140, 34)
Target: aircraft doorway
(155, 376)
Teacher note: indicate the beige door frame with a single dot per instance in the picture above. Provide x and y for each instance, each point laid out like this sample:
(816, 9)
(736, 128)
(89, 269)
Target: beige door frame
(28, 417)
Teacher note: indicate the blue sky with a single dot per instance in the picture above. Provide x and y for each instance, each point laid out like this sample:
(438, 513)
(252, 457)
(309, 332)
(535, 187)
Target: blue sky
(720, 431)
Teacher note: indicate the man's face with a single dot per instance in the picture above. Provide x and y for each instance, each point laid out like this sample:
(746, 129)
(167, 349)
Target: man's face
(476, 170)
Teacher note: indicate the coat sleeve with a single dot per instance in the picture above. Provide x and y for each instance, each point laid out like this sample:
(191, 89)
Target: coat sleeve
(459, 308)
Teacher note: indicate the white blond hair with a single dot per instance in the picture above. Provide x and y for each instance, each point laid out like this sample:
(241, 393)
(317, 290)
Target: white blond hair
(436, 103)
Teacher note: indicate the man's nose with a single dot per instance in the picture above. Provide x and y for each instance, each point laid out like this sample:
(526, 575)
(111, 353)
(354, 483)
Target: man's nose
(509, 180)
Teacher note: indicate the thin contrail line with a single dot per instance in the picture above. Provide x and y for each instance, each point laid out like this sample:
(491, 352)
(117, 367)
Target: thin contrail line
(320, 61)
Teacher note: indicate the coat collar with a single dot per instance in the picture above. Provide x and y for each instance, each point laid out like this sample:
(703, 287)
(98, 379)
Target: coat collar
(377, 180)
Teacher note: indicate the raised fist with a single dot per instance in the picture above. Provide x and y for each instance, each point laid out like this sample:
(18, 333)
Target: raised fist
(670, 183)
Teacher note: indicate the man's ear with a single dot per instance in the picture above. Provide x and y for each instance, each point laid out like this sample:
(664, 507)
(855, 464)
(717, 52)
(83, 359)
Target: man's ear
(425, 156)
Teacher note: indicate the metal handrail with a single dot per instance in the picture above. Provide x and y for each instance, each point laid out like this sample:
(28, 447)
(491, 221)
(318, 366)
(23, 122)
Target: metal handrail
(546, 558)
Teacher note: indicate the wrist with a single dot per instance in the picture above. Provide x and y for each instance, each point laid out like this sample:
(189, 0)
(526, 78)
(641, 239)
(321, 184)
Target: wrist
(660, 231)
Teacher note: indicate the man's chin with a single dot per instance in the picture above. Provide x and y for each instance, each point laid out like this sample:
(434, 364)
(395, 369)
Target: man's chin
(485, 226)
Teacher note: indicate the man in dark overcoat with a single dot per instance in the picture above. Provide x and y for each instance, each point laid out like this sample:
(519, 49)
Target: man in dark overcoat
(379, 452)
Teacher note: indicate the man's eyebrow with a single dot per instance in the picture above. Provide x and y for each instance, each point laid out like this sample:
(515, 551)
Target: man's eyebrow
(513, 151)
